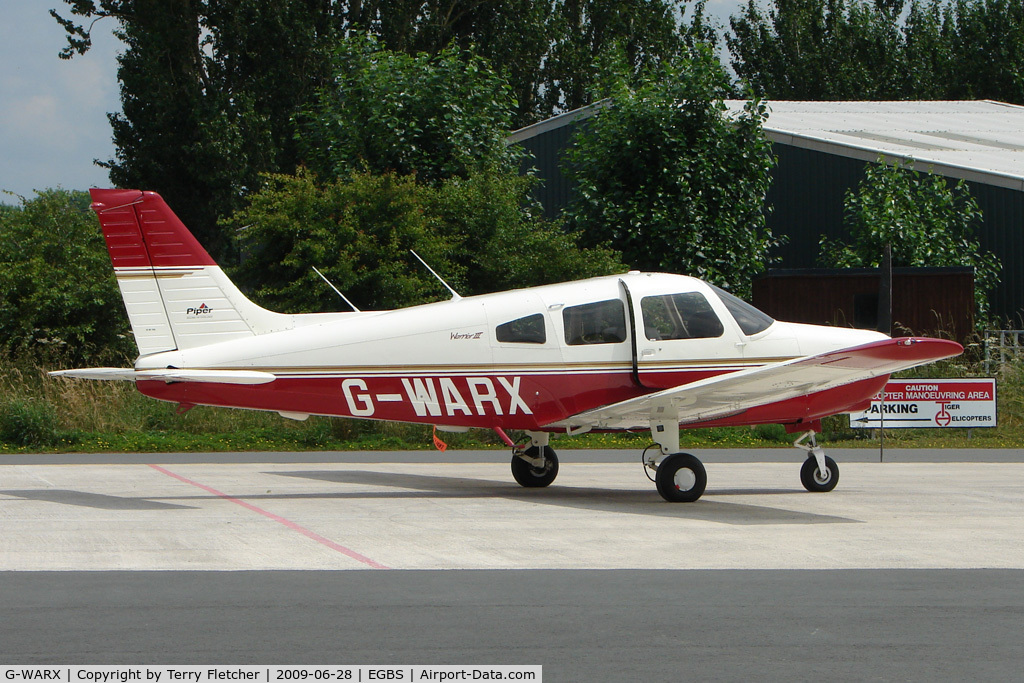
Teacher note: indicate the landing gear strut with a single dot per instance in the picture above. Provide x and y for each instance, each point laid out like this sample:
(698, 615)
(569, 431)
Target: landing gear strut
(819, 473)
(680, 477)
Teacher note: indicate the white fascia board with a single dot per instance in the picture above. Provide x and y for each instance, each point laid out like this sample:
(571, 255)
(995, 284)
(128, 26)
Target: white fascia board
(920, 163)
(556, 122)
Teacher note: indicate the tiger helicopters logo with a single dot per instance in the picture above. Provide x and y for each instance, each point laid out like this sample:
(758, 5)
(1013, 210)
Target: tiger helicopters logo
(198, 311)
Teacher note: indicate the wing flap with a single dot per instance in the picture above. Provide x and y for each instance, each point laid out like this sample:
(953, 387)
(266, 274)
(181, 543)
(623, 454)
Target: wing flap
(730, 394)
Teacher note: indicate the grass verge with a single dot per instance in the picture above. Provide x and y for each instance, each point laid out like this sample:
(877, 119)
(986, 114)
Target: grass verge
(45, 415)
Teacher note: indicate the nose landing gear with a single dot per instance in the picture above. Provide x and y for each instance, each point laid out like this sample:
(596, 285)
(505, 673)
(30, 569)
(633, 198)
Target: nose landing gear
(819, 473)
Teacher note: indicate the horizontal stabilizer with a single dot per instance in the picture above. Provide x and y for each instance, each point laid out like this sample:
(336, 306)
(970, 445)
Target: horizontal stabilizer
(170, 375)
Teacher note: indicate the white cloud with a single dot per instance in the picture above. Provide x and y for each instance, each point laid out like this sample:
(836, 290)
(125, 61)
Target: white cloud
(53, 113)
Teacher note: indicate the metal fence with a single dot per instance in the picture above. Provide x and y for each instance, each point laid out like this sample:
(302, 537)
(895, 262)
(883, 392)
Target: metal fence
(1001, 347)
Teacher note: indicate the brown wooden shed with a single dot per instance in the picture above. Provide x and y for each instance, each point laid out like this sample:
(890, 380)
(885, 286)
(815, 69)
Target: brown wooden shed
(925, 301)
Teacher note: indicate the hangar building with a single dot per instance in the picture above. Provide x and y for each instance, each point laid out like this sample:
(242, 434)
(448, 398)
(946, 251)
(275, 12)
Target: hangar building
(822, 148)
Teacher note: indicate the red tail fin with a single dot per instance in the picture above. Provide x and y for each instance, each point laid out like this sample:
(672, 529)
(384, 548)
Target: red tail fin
(175, 295)
(141, 230)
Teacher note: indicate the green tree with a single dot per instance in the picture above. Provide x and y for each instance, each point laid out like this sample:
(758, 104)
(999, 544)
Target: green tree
(59, 298)
(436, 116)
(207, 94)
(927, 221)
(357, 231)
(504, 241)
(819, 49)
(671, 180)
(514, 36)
(987, 51)
(478, 232)
(860, 50)
(644, 33)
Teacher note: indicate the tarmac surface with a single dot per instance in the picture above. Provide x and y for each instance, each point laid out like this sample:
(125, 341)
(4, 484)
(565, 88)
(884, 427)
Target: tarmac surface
(912, 569)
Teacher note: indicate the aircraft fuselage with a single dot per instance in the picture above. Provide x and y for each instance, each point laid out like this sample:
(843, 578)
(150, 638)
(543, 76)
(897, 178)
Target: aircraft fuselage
(522, 359)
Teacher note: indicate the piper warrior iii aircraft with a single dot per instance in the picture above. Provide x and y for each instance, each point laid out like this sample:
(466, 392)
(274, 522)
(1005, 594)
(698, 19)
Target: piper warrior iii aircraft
(624, 352)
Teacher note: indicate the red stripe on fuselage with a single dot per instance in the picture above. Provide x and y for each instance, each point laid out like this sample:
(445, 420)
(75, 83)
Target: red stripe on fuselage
(506, 400)
(502, 400)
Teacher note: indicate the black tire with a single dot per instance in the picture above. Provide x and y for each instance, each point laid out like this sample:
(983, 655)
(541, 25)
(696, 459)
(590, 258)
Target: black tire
(812, 479)
(681, 478)
(535, 477)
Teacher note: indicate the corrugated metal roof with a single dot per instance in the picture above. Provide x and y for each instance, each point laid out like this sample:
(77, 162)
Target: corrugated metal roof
(976, 140)
(979, 140)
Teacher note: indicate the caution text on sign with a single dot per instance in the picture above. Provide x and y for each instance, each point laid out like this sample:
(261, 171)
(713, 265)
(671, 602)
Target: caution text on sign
(939, 403)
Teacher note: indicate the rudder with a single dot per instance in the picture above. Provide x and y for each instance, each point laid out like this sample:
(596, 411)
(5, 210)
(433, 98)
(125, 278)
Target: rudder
(176, 295)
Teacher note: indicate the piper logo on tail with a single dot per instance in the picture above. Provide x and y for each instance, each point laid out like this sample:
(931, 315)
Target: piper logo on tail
(199, 311)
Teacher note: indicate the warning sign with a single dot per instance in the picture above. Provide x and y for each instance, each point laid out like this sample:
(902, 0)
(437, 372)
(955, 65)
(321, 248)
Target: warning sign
(931, 403)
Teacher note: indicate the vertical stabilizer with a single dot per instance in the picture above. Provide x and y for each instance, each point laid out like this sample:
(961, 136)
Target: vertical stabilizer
(176, 296)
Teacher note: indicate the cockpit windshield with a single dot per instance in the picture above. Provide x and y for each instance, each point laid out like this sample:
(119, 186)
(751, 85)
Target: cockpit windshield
(750, 320)
(679, 316)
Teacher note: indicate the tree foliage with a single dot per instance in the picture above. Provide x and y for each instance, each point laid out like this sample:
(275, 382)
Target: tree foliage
(409, 153)
(480, 233)
(816, 49)
(210, 90)
(644, 33)
(667, 177)
(207, 94)
(861, 50)
(926, 220)
(438, 116)
(59, 298)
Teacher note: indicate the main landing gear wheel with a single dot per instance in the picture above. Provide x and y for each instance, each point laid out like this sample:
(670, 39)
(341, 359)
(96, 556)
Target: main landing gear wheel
(681, 478)
(532, 475)
(814, 479)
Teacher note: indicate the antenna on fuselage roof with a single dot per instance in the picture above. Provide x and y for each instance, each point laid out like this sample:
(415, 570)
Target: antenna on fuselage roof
(455, 295)
(331, 285)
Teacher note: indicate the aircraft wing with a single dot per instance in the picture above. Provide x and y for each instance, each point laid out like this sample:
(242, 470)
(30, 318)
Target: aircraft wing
(730, 394)
(171, 375)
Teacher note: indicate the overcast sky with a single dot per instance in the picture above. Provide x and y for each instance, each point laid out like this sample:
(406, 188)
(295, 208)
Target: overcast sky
(53, 112)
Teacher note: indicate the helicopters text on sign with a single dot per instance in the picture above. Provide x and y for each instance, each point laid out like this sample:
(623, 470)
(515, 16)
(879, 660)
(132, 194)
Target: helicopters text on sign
(931, 403)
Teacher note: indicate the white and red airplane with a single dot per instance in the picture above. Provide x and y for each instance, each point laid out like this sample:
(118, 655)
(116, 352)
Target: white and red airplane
(623, 352)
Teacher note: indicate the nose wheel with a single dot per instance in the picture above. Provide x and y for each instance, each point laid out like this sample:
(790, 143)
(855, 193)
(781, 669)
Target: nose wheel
(819, 473)
(816, 480)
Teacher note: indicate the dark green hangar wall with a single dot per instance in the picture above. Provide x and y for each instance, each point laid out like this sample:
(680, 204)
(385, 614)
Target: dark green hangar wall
(806, 200)
(1003, 234)
(545, 156)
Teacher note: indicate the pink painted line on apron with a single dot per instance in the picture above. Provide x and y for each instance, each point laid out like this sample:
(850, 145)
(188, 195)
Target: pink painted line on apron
(277, 518)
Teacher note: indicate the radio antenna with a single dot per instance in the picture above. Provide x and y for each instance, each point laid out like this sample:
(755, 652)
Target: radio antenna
(455, 295)
(331, 285)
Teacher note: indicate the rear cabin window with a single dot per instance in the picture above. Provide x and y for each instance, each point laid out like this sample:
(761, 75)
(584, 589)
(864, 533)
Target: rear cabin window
(679, 316)
(750, 319)
(528, 330)
(603, 322)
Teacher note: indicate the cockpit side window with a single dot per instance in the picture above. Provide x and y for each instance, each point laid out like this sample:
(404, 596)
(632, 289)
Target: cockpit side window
(750, 320)
(679, 316)
(603, 322)
(528, 330)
